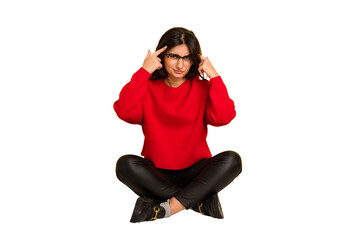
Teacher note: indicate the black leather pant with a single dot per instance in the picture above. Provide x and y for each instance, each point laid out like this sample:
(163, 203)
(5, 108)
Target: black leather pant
(189, 186)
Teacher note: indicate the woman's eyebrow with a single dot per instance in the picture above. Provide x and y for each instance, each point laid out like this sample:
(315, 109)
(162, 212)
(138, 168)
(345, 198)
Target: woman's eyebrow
(179, 55)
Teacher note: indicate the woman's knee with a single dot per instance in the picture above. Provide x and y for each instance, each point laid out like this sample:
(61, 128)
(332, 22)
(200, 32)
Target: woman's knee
(127, 164)
(233, 161)
(122, 165)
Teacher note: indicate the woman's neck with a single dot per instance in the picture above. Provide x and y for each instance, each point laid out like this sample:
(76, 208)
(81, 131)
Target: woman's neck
(174, 82)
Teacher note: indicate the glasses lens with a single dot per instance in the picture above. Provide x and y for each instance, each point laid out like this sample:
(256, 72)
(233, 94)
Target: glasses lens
(175, 57)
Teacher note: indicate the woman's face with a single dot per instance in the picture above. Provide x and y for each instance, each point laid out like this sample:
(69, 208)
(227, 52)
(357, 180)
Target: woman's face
(177, 68)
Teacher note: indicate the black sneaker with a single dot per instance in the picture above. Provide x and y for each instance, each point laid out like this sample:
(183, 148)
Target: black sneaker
(210, 207)
(147, 210)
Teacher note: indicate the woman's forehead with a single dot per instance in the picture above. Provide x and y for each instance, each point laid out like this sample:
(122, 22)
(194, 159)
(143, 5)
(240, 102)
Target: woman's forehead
(181, 50)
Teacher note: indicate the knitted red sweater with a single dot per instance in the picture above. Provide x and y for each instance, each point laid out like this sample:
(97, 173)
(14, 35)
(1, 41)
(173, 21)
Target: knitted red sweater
(174, 120)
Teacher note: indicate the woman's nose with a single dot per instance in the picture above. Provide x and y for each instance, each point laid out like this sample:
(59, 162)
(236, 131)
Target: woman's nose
(180, 63)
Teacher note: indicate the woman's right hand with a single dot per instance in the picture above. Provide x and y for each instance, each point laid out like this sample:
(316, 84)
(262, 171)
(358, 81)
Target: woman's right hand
(152, 62)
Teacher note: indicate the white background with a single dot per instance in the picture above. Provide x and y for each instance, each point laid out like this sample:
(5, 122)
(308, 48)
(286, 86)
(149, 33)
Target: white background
(292, 68)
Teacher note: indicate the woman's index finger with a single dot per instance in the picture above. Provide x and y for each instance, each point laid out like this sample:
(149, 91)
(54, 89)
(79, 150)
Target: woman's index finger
(157, 53)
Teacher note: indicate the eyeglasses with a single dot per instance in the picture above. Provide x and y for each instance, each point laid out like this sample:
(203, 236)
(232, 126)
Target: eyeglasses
(175, 57)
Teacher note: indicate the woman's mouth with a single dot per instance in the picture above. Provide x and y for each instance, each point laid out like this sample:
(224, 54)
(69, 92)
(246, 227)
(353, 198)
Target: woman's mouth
(178, 71)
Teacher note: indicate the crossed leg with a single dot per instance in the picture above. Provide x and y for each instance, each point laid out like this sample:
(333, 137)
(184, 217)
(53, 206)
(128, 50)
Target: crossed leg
(203, 179)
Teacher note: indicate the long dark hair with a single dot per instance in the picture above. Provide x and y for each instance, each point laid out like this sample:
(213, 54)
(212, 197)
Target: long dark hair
(172, 38)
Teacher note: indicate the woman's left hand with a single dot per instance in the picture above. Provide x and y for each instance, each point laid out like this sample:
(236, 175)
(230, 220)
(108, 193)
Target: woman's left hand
(206, 67)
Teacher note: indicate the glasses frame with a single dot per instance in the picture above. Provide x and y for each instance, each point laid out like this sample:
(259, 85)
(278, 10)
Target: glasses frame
(186, 58)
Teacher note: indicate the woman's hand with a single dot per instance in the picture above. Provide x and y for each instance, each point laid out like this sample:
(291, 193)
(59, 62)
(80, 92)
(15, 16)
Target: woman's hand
(152, 62)
(206, 67)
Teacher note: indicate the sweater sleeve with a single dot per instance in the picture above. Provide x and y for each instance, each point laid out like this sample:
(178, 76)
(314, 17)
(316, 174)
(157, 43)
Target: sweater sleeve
(220, 109)
(129, 106)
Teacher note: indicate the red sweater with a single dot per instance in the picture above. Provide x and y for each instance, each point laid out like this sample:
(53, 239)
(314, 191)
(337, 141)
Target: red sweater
(174, 120)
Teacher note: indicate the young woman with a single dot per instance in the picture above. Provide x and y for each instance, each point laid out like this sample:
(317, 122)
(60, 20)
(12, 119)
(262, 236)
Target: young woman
(170, 98)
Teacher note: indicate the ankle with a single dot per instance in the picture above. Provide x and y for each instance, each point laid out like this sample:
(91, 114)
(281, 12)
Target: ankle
(175, 206)
(166, 207)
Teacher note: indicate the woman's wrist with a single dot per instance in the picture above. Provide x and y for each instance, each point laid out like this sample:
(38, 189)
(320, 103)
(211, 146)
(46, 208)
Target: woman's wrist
(146, 69)
(212, 74)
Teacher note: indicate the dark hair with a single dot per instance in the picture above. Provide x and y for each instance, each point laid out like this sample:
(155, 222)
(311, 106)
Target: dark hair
(172, 38)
